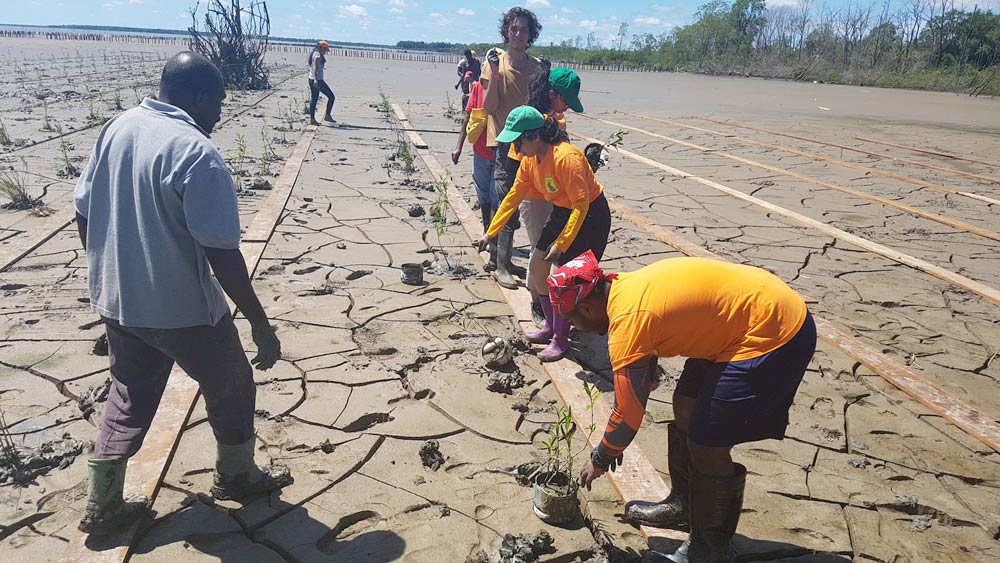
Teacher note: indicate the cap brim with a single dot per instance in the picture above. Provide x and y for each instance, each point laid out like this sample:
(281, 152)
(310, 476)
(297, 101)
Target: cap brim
(508, 136)
(574, 104)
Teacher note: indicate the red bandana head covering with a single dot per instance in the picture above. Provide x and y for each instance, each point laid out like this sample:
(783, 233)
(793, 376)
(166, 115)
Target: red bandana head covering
(574, 280)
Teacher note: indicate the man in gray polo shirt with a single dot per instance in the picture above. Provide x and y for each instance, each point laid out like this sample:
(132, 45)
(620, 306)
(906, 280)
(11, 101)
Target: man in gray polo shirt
(156, 210)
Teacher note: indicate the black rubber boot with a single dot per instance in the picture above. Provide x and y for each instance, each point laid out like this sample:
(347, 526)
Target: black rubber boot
(671, 512)
(716, 503)
(537, 314)
(505, 246)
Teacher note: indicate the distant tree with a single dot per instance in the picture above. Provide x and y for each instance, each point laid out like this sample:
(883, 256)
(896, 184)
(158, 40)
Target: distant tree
(235, 38)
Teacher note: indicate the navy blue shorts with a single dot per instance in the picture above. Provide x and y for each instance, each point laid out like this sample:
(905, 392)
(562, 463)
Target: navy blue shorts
(748, 400)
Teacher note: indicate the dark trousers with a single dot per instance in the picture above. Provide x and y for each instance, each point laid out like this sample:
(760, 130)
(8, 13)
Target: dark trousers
(315, 87)
(141, 360)
(504, 173)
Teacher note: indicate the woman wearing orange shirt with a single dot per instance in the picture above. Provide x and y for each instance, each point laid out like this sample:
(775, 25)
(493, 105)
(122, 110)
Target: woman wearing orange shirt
(556, 171)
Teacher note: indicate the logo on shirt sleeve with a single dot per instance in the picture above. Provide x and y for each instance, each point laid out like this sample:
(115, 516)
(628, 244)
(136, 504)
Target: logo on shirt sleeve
(550, 186)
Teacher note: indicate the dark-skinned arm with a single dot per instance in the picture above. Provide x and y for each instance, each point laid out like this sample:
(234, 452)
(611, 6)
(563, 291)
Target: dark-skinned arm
(633, 384)
(230, 270)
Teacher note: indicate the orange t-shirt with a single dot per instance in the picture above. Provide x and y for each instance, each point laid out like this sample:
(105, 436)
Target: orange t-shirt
(563, 178)
(514, 155)
(700, 308)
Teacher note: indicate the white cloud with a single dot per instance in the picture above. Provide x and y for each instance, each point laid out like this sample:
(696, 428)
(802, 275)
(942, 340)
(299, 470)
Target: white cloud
(435, 15)
(569, 10)
(135, 1)
(649, 20)
(396, 10)
(466, 12)
(609, 24)
(398, 3)
(780, 3)
(541, 3)
(559, 20)
(353, 10)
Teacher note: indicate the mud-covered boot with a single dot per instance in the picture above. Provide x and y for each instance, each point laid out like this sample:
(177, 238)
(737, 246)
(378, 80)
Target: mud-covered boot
(505, 246)
(671, 512)
(716, 503)
(544, 333)
(559, 345)
(107, 510)
(537, 313)
(237, 476)
(491, 265)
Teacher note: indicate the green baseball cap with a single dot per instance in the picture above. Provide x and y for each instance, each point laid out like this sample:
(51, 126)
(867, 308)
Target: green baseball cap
(519, 120)
(567, 83)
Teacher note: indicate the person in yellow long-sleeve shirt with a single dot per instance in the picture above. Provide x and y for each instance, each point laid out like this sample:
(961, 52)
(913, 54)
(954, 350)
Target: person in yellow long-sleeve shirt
(748, 338)
(556, 171)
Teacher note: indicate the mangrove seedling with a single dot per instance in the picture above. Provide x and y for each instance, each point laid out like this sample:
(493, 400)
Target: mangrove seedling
(117, 99)
(241, 155)
(439, 215)
(14, 188)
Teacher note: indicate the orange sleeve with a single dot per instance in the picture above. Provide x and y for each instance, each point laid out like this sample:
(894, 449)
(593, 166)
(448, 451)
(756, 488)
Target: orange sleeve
(633, 384)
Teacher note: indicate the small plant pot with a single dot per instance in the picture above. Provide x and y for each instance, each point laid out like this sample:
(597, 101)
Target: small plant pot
(412, 274)
(555, 498)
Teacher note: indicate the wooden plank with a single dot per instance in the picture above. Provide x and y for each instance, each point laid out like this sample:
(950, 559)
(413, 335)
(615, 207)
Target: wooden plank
(845, 164)
(636, 478)
(269, 215)
(926, 151)
(148, 467)
(986, 233)
(880, 249)
(853, 149)
(933, 397)
(17, 247)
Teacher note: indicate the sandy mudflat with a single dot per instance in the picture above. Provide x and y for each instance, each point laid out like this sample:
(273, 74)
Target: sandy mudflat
(373, 368)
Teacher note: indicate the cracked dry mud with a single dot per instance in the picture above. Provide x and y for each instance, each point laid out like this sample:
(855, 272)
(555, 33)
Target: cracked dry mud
(374, 369)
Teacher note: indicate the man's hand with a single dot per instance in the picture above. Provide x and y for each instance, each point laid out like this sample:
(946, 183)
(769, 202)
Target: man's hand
(493, 57)
(456, 85)
(589, 473)
(268, 347)
(553, 254)
(454, 156)
(484, 243)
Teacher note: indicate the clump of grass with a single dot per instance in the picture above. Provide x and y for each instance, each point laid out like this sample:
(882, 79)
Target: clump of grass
(439, 216)
(117, 99)
(14, 188)
(267, 153)
(241, 156)
(5, 139)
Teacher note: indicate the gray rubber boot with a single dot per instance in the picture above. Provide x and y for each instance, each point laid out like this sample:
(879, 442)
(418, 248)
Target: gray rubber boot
(716, 503)
(505, 247)
(107, 511)
(671, 512)
(237, 476)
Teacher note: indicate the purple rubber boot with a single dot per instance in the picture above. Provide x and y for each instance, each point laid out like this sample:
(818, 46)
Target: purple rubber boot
(559, 346)
(543, 334)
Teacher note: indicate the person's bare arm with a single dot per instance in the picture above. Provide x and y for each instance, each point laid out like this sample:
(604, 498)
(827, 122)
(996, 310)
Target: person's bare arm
(230, 269)
(461, 140)
(491, 94)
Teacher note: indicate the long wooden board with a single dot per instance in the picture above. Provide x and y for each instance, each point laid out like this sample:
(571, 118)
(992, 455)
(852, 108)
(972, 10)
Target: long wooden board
(926, 151)
(880, 155)
(976, 230)
(636, 478)
(972, 285)
(930, 395)
(838, 162)
(149, 466)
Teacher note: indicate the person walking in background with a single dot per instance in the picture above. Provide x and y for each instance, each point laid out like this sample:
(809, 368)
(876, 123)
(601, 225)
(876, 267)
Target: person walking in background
(157, 215)
(505, 84)
(317, 83)
(466, 87)
(555, 170)
(469, 63)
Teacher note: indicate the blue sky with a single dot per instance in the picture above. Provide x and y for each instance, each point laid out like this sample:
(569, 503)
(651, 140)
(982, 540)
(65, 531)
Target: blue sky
(388, 21)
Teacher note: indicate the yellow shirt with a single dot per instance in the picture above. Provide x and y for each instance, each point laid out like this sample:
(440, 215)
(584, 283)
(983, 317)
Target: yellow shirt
(512, 87)
(564, 178)
(700, 308)
(560, 119)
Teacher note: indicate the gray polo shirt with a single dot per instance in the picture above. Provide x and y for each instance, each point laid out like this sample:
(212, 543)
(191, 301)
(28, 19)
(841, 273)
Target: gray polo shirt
(155, 193)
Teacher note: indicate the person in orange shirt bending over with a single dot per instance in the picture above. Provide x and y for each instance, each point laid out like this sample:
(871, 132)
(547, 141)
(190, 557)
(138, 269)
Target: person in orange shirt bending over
(748, 338)
(556, 171)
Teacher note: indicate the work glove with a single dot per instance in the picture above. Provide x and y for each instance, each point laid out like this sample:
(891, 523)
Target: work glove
(493, 57)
